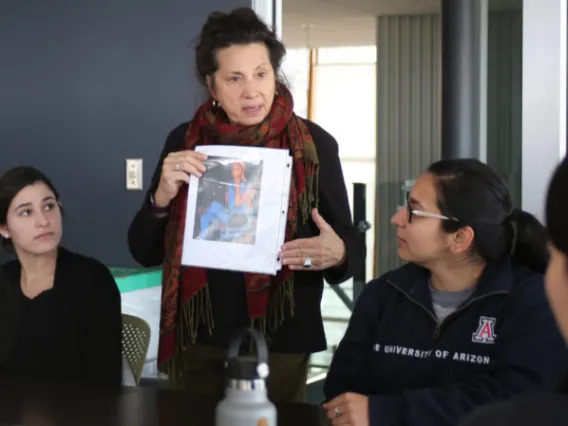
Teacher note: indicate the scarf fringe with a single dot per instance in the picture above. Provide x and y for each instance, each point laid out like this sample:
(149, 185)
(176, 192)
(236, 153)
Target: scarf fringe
(173, 369)
(282, 296)
(309, 198)
(198, 311)
(195, 312)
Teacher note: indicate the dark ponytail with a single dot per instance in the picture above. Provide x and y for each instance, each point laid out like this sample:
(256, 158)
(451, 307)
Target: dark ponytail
(476, 196)
(529, 241)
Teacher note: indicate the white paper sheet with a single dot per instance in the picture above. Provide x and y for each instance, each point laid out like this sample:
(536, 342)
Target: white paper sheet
(236, 209)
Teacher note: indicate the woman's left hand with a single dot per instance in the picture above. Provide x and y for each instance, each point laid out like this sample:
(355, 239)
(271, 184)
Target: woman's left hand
(348, 409)
(324, 251)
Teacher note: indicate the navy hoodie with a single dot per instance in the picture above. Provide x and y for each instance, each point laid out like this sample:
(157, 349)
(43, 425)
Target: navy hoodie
(539, 409)
(527, 410)
(501, 341)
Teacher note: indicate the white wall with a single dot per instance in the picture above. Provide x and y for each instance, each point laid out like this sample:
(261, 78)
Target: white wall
(544, 97)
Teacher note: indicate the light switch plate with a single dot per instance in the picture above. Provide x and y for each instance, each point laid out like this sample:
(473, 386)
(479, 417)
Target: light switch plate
(134, 174)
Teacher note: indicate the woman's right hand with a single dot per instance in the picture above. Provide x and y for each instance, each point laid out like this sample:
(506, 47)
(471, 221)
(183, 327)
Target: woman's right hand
(176, 168)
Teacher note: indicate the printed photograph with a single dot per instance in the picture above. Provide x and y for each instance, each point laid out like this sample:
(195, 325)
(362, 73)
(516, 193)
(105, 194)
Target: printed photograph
(227, 201)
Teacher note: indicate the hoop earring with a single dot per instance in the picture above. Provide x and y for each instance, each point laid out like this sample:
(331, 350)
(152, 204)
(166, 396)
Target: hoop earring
(215, 103)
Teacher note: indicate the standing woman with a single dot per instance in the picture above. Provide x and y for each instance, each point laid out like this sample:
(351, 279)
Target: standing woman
(238, 59)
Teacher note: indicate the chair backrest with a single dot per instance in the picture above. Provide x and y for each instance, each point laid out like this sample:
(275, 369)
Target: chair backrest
(135, 342)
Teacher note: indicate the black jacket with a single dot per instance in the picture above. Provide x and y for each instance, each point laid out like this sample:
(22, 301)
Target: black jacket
(527, 410)
(72, 332)
(8, 314)
(302, 332)
(500, 342)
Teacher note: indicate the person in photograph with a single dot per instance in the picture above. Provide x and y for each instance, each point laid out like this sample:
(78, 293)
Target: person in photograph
(65, 308)
(238, 61)
(463, 323)
(237, 215)
(240, 195)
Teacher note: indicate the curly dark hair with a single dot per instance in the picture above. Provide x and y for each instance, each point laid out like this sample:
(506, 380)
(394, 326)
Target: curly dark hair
(239, 27)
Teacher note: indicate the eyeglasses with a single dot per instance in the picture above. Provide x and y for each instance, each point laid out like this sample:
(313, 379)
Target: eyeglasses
(422, 213)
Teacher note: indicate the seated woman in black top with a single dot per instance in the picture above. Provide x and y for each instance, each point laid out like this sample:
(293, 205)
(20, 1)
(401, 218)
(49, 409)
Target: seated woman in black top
(464, 323)
(65, 308)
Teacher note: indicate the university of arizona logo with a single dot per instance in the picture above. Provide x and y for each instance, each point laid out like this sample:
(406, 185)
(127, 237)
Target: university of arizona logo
(485, 331)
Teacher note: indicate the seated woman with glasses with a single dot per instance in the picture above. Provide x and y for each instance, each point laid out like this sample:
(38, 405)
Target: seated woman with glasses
(463, 323)
(543, 409)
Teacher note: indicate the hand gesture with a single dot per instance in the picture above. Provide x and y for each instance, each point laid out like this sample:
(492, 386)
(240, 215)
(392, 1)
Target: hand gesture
(317, 253)
(176, 168)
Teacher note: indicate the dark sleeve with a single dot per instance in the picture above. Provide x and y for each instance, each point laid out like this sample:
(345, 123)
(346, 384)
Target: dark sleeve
(334, 206)
(147, 231)
(539, 409)
(9, 313)
(104, 328)
(349, 369)
(493, 415)
(529, 356)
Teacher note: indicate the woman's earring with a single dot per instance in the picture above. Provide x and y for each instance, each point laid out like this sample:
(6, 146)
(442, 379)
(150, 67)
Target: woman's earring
(6, 235)
(215, 103)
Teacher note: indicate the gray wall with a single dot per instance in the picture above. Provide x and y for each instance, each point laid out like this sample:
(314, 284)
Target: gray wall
(504, 97)
(408, 122)
(86, 84)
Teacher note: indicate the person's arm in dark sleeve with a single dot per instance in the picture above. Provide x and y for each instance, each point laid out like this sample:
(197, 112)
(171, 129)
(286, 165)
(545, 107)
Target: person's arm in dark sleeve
(147, 231)
(104, 328)
(350, 368)
(539, 409)
(499, 414)
(529, 356)
(335, 209)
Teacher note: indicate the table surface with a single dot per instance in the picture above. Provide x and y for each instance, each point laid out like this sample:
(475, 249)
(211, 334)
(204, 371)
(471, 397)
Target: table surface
(64, 405)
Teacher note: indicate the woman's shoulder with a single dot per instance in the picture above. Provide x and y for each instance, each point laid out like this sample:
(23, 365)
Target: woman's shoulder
(176, 137)
(180, 130)
(526, 289)
(7, 279)
(525, 277)
(404, 277)
(326, 147)
(69, 256)
(10, 268)
(89, 268)
(319, 134)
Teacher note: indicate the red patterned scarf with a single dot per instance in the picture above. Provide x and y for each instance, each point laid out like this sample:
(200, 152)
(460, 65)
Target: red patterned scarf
(185, 297)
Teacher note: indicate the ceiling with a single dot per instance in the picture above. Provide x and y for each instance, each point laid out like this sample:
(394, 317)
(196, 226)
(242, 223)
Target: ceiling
(321, 23)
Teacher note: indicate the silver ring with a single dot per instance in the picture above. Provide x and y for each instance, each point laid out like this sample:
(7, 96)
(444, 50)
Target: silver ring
(337, 412)
(178, 168)
(307, 262)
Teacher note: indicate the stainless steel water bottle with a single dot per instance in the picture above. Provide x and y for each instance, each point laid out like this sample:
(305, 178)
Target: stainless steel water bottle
(246, 401)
